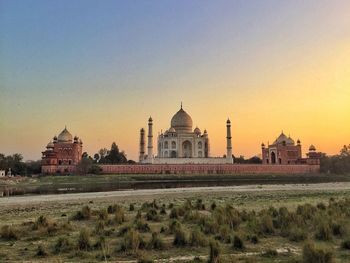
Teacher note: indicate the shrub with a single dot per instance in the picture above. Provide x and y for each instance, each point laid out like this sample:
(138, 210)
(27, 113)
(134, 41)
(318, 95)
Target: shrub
(340, 228)
(346, 244)
(62, 245)
(142, 226)
(42, 221)
(84, 240)
(99, 227)
(214, 252)
(8, 233)
(113, 208)
(173, 226)
(180, 239)
(84, 214)
(200, 205)
(131, 207)
(266, 225)
(270, 253)
(297, 234)
(198, 239)
(224, 234)
(119, 216)
(311, 254)
(163, 210)
(41, 252)
(145, 259)
(152, 215)
(323, 231)
(254, 239)
(102, 214)
(213, 206)
(237, 242)
(156, 242)
(321, 206)
(132, 241)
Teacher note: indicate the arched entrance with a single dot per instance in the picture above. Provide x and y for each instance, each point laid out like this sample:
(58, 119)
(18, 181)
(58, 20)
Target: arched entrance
(173, 154)
(273, 158)
(187, 149)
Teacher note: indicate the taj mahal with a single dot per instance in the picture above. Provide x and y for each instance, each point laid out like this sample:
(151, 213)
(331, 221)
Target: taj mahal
(181, 144)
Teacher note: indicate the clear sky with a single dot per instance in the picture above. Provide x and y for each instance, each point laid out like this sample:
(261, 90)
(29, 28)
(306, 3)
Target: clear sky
(103, 67)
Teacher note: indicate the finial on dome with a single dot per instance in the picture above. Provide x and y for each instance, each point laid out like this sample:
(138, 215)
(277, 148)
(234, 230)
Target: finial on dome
(228, 120)
(181, 105)
(150, 119)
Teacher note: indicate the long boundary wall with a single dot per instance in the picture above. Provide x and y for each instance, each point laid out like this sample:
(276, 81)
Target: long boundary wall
(209, 169)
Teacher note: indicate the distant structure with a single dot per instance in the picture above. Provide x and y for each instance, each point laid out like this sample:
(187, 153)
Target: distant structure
(284, 151)
(180, 144)
(62, 154)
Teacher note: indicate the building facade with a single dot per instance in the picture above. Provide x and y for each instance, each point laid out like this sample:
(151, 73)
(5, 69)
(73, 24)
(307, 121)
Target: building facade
(62, 154)
(285, 151)
(181, 143)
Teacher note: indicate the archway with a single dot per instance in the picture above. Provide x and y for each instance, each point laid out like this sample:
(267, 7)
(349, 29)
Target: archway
(273, 158)
(187, 149)
(173, 154)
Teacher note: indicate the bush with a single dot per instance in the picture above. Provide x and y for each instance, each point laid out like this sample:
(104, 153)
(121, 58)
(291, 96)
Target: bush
(324, 231)
(8, 233)
(41, 252)
(254, 239)
(99, 227)
(214, 252)
(62, 245)
(152, 215)
(270, 253)
(346, 244)
(119, 216)
(311, 254)
(237, 242)
(180, 239)
(155, 242)
(198, 239)
(84, 240)
(200, 205)
(224, 234)
(111, 209)
(102, 214)
(142, 226)
(84, 214)
(42, 221)
(213, 206)
(297, 234)
(266, 225)
(132, 241)
(131, 207)
(173, 226)
(163, 210)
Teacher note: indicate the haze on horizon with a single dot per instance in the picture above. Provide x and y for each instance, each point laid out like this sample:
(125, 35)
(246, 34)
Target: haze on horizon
(103, 67)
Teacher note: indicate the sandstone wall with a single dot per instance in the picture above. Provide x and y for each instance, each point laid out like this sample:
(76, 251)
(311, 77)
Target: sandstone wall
(209, 169)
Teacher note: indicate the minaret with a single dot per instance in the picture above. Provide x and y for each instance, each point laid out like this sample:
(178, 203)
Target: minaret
(142, 145)
(150, 140)
(228, 142)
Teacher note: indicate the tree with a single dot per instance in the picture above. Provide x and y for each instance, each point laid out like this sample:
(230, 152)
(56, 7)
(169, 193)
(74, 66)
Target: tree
(87, 165)
(114, 156)
(339, 164)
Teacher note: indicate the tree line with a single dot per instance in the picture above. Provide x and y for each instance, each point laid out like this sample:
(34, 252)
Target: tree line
(338, 164)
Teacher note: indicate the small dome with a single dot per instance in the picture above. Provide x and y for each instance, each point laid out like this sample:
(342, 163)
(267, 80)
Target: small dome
(181, 121)
(290, 141)
(197, 131)
(312, 148)
(150, 119)
(205, 131)
(65, 136)
(228, 121)
(172, 129)
(76, 138)
(55, 138)
(50, 145)
(263, 145)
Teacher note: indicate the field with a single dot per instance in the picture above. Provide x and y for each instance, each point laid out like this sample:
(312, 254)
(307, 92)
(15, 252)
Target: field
(257, 223)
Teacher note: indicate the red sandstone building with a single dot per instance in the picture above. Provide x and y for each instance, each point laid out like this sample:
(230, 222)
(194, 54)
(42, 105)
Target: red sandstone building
(62, 154)
(285, 151)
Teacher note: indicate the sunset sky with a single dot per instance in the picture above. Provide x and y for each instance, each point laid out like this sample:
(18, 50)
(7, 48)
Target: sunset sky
(103, 67)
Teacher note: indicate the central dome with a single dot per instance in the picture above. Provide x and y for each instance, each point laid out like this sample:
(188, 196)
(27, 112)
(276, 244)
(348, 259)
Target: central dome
(181, 121)
(65, 136)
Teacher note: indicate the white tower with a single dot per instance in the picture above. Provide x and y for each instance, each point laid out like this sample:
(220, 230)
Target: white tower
(150, 141)
(228, 142)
